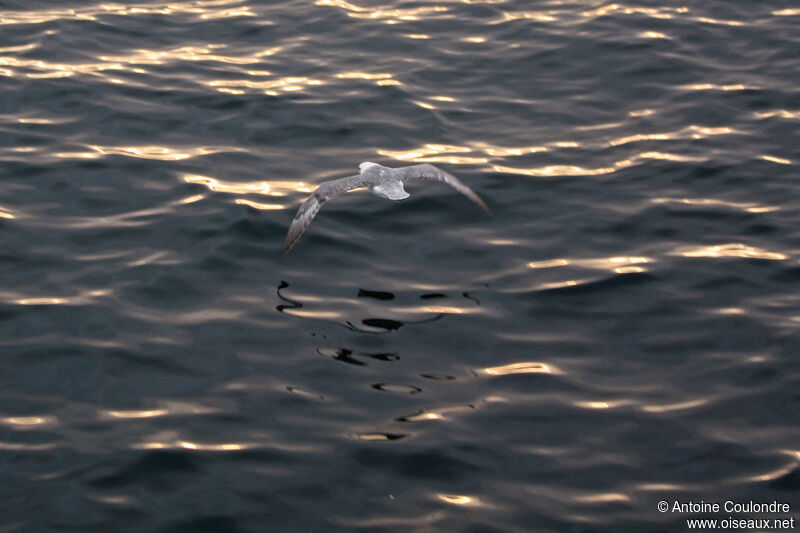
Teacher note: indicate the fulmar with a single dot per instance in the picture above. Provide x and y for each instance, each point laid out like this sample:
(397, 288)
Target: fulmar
(380, 180)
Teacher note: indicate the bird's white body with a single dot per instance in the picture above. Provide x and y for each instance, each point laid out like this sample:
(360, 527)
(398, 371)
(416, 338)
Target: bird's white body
(380, 180)
(392, 190)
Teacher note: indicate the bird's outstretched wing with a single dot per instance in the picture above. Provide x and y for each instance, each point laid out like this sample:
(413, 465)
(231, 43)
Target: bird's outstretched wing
(431, 173)
(308, 210)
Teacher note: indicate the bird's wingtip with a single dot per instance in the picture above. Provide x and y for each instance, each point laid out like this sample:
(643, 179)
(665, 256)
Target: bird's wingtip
(480, 203)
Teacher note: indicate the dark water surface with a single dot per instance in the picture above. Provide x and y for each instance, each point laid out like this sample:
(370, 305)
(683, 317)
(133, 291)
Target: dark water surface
(623, 330)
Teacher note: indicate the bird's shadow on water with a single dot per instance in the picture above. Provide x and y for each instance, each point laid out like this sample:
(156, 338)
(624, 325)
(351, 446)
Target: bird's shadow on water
(374, 325)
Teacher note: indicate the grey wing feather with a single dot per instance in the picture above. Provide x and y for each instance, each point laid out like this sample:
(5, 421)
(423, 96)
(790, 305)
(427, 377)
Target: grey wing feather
(432, 173)
(309, 209)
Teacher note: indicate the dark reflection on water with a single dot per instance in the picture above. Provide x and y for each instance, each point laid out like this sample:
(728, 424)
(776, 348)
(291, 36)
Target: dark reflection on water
(623, 331)
(375, 325)
(348, 356)
(378, 295)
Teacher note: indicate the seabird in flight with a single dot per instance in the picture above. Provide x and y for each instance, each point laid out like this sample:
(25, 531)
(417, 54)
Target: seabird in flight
(380, 180)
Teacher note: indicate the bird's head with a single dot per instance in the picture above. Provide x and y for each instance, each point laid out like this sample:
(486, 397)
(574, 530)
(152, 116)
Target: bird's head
(365, 165)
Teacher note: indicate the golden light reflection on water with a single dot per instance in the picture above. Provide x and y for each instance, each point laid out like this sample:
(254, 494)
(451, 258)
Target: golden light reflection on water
(171, 440)
(794, 454)
(620, 265)
(114, 499)
(717, 87)
(600, 126)
(731, 250)
(39, 69)
(773, 159)
(259, 205)
(271, 87)
(197, 446)
(780, 113)
(37, 120)
(723, 22)
(380, 78)
(653, 35)
(389, 16)
(689, 132)
(460, 499)
(268, 188)
(731, 311)
(744, 206)
(660, 12)
(191, 199)
(207, 52)
(83, 297)
(435, 153)
(28, 422)
(550, 263)
(526, 367)
(679, 406)
(603, 497)
(482, 152)
(426, 415)
(507, 151)
(453, 154)
(570, 170)
(602, 404)
(402, 522)
(438, 309)
(130, 62)
(446, 310)
(163, 153)
(538, 16)
(374, 437)
(564, 284)
(439, 414)
(657, 13)
(151, 413)
(773, 474)
(167, 409)
(504, 242)
(662, 486)
(628, 269)
(18, 48)
(41, 301)
(363, 75)
(309, 313)
(202, 9)
(157, 258)
(26, 447)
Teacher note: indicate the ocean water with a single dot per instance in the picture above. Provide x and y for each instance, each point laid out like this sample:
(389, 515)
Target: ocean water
(623, 330)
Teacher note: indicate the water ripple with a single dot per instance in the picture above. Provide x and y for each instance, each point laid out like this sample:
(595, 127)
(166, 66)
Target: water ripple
(201, 9)
(622, 331)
